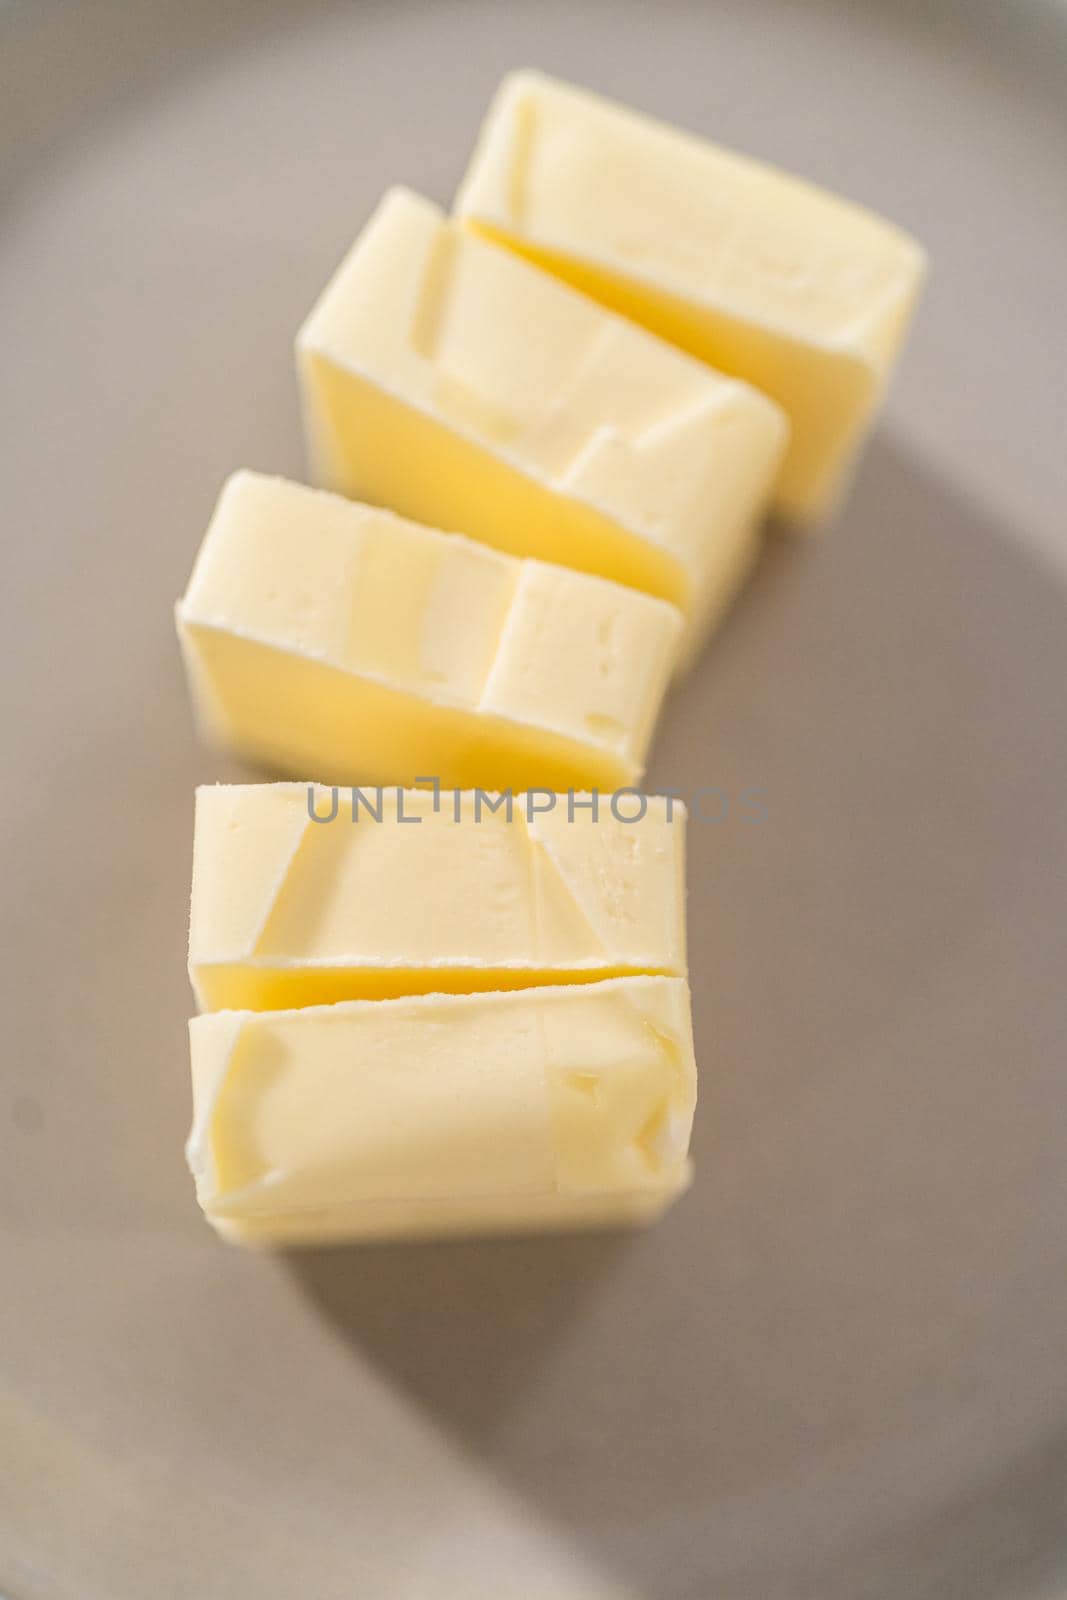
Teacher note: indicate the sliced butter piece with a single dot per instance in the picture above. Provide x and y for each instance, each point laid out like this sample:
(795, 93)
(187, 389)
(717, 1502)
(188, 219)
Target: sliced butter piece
(306, 896)
(760, 274)
(336, 640)
(447, 379)
(536, 1108)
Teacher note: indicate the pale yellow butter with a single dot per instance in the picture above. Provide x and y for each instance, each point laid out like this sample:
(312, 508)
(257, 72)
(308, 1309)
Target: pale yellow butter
(305, 896)
(760, 274)
(445, 378)
(334, 640)
(549, 1107)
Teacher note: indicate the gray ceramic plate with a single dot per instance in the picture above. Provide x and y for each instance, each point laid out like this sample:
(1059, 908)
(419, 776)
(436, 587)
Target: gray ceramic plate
(838, 1369)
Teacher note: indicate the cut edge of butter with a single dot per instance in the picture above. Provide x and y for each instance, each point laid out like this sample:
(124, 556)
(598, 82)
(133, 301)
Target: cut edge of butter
(304, 895)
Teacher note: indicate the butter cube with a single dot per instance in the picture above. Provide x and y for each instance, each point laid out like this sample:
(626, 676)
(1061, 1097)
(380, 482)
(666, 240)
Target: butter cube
(444, 1113)
(446, 378)
(758, 273)
(307, 896)
(334, 639)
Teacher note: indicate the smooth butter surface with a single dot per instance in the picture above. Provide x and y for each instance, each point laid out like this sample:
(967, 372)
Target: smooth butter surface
(752, 270)
(410, 893)
(442, 1113)
(457, 384)
(340, 641)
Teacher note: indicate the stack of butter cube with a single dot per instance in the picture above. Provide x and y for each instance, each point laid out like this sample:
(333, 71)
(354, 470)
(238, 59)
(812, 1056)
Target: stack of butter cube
(545, 433)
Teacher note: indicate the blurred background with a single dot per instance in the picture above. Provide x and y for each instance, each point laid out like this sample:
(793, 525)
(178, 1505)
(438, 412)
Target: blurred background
(838, 1368)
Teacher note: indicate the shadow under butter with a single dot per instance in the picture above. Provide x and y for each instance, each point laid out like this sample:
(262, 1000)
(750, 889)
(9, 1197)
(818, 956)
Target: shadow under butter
(464, 1324)
(836, 1343)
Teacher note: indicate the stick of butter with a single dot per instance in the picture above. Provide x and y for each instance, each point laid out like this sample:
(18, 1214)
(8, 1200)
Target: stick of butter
(445, 378)
(307, 896)
(758, 273)
(443, 1113)
(325, 637)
